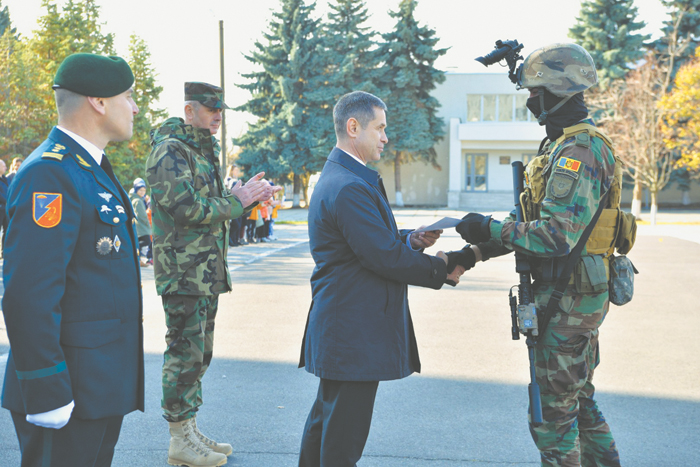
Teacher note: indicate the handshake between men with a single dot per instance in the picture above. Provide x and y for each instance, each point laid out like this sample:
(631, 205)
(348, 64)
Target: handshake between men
(457, 262)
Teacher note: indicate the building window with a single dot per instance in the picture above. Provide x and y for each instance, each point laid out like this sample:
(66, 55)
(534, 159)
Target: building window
(475, 172)
(522, 114)
(497, 108)
(474, 107)
(505, 108)
(489, 108)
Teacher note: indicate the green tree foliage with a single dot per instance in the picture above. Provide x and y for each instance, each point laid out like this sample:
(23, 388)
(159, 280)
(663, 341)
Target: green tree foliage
(129, 157)
(345, 61)
(22, 111)
(73, 29)
(283, 141)
(681, 32)
(352, 60)
(27, 69)
(408, 54)
(5, 22)
(681, 125)
(606, 29)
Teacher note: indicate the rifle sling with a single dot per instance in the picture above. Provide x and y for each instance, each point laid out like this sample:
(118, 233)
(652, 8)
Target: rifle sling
(563, 279)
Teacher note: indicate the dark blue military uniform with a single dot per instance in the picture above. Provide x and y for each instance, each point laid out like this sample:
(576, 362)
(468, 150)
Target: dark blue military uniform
(72, 304)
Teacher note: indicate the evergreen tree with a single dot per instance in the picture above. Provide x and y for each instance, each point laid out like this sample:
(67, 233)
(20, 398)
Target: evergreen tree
(606, 29)
(5, 22)
(408, 54)
(352, 59)
(284, 140)
(681, 32)
(346, 61)
(129, 157)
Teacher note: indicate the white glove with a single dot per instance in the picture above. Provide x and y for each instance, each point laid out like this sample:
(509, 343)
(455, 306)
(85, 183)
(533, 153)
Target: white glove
(56, 419)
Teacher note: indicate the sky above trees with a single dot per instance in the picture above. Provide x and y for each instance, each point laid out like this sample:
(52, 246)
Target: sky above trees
(183, 36)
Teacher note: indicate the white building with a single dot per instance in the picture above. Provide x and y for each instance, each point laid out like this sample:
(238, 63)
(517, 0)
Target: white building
(488, 128)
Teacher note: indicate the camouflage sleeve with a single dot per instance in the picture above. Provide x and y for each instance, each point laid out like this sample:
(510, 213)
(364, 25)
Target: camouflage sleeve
(572, 196)
(173, 188)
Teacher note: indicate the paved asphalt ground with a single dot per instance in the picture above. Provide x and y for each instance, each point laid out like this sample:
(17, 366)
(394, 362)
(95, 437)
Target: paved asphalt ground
(468, 407)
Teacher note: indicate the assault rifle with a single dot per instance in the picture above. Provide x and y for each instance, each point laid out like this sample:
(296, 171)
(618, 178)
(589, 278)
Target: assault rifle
(523, 312)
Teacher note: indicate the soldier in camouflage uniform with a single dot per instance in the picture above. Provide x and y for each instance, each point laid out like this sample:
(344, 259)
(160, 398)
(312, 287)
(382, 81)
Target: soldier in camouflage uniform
(190, 207)
(575, 167)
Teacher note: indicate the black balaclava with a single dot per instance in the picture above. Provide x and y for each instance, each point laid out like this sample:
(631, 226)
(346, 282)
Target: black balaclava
(570, 113)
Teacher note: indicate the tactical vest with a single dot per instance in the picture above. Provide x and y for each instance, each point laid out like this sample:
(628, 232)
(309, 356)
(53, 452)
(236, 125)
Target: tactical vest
(615, 228)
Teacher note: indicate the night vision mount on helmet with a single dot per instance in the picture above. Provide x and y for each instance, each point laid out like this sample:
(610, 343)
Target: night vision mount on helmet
(562, 69)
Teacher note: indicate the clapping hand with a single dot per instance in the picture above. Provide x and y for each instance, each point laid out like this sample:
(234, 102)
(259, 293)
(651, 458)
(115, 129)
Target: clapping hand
(256, 189)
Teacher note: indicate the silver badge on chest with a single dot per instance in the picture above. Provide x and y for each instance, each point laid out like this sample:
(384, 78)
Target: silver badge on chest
(104, 246)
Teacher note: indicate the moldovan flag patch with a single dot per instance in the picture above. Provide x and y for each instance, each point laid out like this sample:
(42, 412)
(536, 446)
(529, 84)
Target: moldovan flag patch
(47, 209)
(569, 164)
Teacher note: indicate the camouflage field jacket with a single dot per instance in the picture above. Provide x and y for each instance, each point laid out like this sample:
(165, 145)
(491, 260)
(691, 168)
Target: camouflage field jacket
(190, 206)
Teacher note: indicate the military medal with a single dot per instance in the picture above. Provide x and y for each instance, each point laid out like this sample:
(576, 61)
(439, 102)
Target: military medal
(104, 246)
(117, 243)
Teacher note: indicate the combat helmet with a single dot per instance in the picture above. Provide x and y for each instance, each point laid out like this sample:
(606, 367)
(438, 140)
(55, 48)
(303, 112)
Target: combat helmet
(562, 69)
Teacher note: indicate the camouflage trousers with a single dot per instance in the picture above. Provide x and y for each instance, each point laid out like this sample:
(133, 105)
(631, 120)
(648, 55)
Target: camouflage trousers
(190, 341)
(574, 432)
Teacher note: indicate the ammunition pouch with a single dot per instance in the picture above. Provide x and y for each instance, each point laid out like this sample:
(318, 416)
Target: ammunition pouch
(590, 275)
(626, 233)
(533, 195)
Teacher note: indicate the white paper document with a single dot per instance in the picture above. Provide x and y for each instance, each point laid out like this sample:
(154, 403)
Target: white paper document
(444, 223)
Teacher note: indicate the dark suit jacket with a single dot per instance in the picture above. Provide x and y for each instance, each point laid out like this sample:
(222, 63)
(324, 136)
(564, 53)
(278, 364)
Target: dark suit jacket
(3, 198)
(72, 300)
(359, 326)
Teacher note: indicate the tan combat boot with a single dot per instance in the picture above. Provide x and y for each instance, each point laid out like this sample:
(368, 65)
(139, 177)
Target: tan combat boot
(223, 448)
(187, 449)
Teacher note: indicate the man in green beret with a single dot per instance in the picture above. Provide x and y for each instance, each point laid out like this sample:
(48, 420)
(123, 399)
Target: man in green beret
(190, 209)
(76, 361)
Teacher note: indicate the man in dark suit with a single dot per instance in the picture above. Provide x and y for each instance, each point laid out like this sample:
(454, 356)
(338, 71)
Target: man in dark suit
(72, 304)
(359, 330)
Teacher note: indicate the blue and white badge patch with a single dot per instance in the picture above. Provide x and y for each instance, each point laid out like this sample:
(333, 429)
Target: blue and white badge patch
(117, 243)
(105, 196)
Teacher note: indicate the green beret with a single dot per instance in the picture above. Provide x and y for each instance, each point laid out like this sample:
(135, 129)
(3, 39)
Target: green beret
(208, 94)
(94, 75)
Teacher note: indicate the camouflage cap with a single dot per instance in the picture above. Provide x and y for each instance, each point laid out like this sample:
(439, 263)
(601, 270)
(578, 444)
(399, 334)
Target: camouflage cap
(562, 69)
(208, 94)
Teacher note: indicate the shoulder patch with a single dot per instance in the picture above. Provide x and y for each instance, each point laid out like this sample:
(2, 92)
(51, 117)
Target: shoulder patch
(57, 152)
(52, 155)
(569, 164)
(47, 209)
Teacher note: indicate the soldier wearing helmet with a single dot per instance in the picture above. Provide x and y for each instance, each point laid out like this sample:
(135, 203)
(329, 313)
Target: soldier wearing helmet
(575, 172)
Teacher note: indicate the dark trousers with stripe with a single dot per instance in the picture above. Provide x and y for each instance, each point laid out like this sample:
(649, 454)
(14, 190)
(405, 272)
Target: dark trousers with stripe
(338, 425)
(84, 443)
